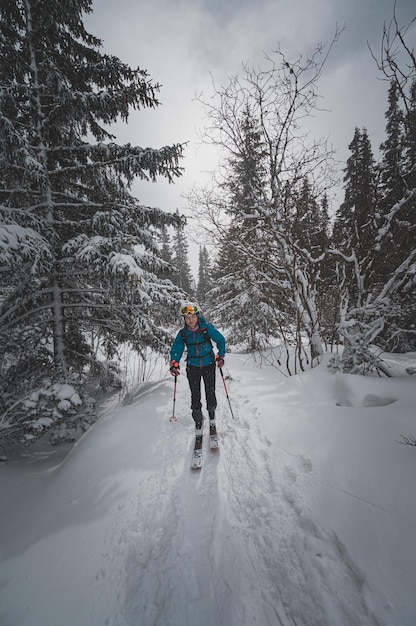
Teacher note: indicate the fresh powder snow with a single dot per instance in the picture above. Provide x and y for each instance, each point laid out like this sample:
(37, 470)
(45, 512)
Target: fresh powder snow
(304, 516)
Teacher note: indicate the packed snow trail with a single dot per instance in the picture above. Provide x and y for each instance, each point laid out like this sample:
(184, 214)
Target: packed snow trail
(232, 544)
(237, 543)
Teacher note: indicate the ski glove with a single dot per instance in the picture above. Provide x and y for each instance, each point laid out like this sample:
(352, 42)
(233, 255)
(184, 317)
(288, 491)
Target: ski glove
(220, 361)
(174, 368)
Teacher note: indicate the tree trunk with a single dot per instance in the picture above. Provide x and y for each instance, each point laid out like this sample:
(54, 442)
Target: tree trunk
(58, 328)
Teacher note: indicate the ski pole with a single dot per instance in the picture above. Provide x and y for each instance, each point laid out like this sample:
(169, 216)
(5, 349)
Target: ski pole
(226, 391)
(173, 417)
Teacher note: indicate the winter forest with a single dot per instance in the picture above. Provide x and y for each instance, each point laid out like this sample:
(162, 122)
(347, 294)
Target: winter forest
(87, 270)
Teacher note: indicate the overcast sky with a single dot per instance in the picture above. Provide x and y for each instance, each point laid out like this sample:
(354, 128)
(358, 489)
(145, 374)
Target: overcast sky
(182, 43)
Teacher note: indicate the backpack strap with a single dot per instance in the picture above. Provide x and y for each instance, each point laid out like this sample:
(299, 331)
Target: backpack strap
(205, 335)
(207, 338)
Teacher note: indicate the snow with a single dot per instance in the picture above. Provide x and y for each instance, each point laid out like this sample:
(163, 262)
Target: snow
(18, 243)
(67, 393)
(305, 515)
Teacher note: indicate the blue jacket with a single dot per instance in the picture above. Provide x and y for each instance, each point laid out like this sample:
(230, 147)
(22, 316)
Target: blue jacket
(200, 352)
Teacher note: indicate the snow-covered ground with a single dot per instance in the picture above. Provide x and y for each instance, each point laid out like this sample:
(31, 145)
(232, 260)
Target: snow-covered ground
(306, 515)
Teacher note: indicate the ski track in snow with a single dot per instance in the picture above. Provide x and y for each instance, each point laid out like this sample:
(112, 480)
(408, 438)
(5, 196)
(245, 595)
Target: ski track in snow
(206, 547)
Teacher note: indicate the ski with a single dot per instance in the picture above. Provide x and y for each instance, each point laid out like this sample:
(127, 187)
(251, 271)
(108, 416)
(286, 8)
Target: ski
(196, 462)
(197, 453)
(213, 436)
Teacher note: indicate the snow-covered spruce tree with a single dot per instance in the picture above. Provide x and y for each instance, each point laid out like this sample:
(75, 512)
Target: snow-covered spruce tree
(79, 255)
(204, 276)
(404, 332)
(241, 301)
(308, 217)
(396, 176)
(166, 252)
(410, 142)
(355, 224)
(392, 184)
(182, 277)
(327, 294)
(352, 240)
(355, 221)
(281, 96)
(396, 300)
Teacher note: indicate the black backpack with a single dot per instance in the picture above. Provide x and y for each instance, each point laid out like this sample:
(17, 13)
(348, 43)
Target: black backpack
(207, 338)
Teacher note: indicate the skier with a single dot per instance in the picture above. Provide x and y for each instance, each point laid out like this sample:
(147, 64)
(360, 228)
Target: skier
(196, 335)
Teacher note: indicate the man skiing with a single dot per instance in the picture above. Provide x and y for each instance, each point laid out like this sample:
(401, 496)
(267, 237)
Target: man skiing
(196, 335)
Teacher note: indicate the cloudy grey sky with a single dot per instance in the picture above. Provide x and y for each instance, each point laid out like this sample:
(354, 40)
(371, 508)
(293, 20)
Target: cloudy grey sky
(182, 43)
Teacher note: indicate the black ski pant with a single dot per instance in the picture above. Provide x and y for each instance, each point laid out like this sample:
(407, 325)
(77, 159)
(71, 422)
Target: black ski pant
(207, 374)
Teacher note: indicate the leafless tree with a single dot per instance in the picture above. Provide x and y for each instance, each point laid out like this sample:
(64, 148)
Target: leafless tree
(282, 96)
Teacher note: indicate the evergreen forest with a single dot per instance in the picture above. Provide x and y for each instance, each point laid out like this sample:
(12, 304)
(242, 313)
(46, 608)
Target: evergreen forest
(86, 268)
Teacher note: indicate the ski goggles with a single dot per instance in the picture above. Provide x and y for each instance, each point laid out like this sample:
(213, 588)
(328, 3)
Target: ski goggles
(189, 310)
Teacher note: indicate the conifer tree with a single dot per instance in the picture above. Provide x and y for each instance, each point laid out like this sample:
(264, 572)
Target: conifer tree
(353, 237)
(309, 220)
(354, 225)
(248, 171)
(166, 252)
(409, 157)
(79, 254)
(395, 302)
(306, 220)
(391, 165)
(324, 220)
(183, 276)
(327, 289)
(204, 276)
(398, 170)
(392, 183)
(241, 301)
